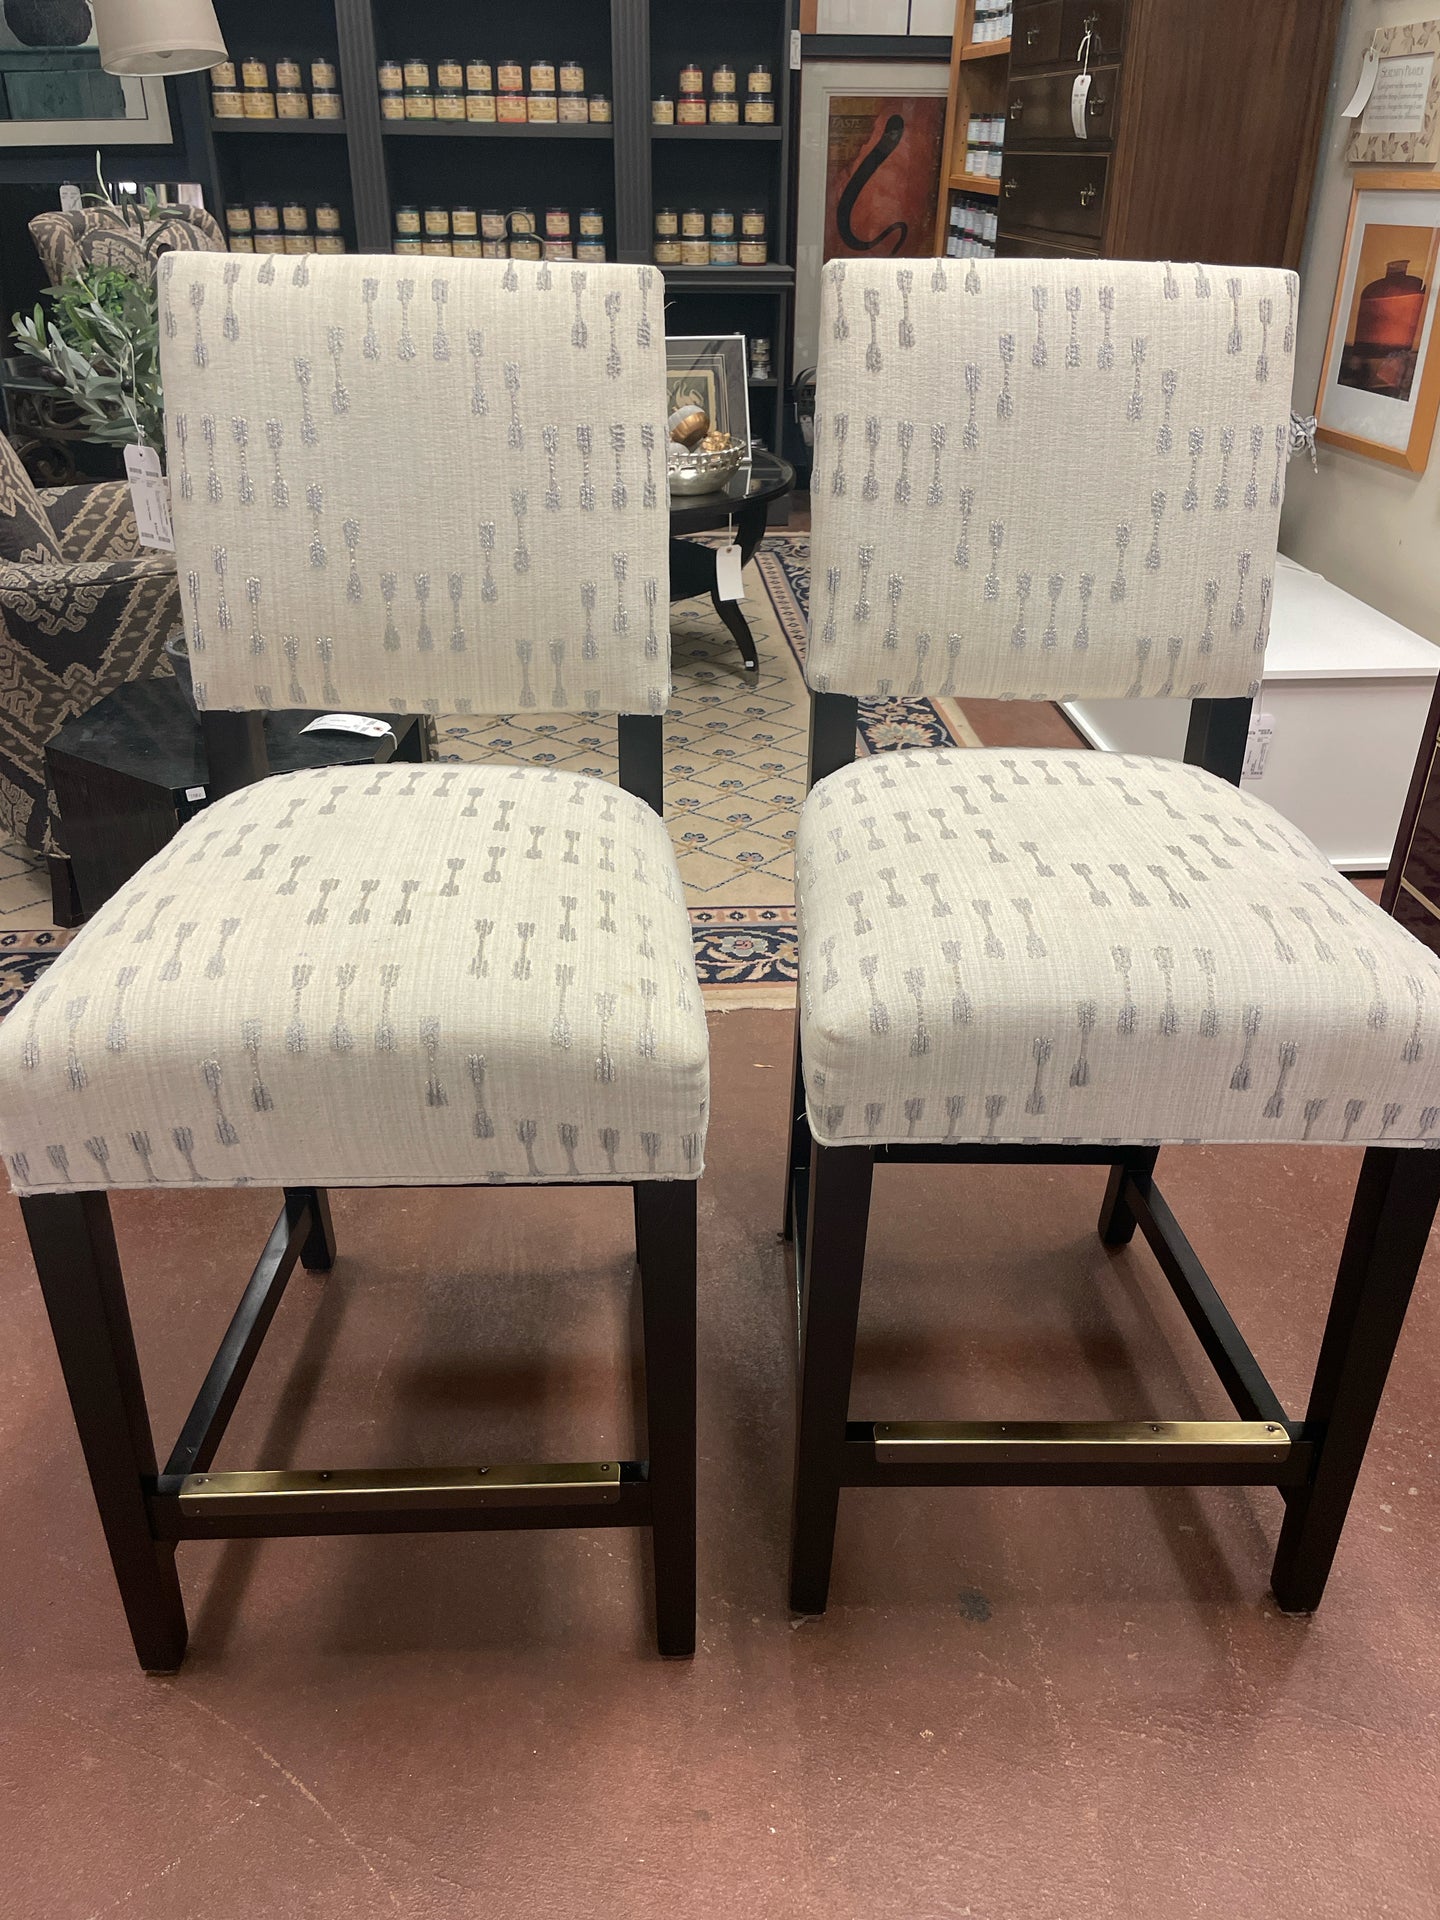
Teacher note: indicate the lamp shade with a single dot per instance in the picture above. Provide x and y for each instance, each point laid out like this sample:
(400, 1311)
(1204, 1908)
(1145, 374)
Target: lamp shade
(157, 36)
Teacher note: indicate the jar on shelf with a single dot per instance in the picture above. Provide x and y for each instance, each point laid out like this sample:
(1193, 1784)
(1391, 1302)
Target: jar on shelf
(417, 74)
(724, 253)
(242, 243)
(326, 104)
(525, 246)
(266, 216)
(227, 103)
(690, 110)
(600, 110)
(692, 224)
(692, 77)
(440, 249)
(254, 73)
(591, 224)
(449, 104)
(520, 220)
(722, 78)
(479, 76)
(759, 80)
(694, 253)
(409, 243)
(724, 110)
(542, 76)
(492, 224)
(494, 250)
(754, 253)
(327, 218)
(259, 105)
(572, 77)
(510, 77)
(323, 76)
(392, 106)
(466, 246)
(559, 250)
(590, 250)
(572, 109)
(541, 109)
(294, 218)
(480, 107)
(329, 243)
(464, 224)
(759, 110)
(287, 75)
(667, 224)
(510, 108)
(722, 224)
(292, 105)
(667, 253)
(222, 74)
(557, 223)
(299, 243)
(752, 223)
(269, 243)
(392, 76)
(450, 74)
(419, 103)
(437, 223)
(407, 220)
(237, 220)
(662, 111)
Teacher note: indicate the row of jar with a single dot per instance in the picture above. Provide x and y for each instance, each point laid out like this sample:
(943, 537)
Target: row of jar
(287, 242)
(492, 234)
(506, 109)
(985, 145)
(523, 246)
(694, 110)
(718, 238)
(253, 98)
(286, 216)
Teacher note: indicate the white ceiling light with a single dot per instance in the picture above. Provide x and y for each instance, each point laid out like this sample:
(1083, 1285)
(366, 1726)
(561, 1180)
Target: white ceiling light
(157, 36)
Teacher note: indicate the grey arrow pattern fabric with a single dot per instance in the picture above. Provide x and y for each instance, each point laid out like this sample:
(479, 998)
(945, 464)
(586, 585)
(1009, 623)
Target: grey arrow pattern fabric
(1047, 480)
(1062, 948)
(374, 976)
(408, 485)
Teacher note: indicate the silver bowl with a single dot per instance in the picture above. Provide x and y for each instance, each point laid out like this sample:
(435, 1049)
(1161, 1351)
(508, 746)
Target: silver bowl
(704, 472)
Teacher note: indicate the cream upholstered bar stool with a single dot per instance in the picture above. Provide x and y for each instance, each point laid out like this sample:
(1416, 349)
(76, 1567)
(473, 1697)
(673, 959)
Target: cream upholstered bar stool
(1035, 480)
(399, 486)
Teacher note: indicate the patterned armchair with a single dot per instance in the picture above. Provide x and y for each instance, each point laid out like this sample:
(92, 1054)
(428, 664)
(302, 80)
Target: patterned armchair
(82, 609)
(103, 237)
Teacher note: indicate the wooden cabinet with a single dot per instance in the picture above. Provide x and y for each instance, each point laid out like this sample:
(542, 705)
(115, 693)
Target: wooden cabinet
(1201, 128)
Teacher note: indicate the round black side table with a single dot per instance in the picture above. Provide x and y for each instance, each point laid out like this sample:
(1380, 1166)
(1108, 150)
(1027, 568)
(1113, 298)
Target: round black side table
(744, 499)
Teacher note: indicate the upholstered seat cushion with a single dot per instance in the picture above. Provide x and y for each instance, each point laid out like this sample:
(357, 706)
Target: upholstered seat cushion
(1075, 947)
(394, 975)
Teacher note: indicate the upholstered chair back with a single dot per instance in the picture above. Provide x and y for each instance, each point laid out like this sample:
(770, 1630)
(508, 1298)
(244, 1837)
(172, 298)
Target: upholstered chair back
(418, 485)
(1048, 480)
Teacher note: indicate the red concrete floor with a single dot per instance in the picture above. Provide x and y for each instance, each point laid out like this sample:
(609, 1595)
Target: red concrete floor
(1053, 1705)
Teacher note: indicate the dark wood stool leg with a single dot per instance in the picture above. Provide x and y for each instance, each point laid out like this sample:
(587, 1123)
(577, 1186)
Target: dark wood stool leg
(799, 1137)
(729, 612)
(318, 1253)
(1117, 1222)
(1390, 1222)
(73, 1245)
(665, 1246)
(840, 1180)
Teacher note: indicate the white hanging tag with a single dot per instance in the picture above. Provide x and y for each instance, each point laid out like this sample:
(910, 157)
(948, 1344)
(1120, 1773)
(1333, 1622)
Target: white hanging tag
(1079, 94)
(1258, 743)
(150, 498)
(729, 577)
(348, 723)
(1364, 86)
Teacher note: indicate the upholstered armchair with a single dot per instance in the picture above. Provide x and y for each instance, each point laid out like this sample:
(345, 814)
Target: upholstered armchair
(82, 609)
(103, 236)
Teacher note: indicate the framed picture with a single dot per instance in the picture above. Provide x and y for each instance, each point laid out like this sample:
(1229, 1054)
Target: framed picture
(710, 373)
(54, 92)
(872, 134)
(1380, 381)
(1401, 120)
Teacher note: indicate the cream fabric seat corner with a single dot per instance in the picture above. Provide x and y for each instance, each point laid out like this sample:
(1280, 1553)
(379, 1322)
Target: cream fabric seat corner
(398, 487)
(1049, 480)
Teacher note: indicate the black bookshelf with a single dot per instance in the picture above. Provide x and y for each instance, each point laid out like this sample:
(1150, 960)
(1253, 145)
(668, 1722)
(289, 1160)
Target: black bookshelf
(367, 165)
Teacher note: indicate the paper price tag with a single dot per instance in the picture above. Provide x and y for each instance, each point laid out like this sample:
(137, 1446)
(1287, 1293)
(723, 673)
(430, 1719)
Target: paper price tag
(1258, 743)
(150, 498)
(1079, 94)
(1364, 86)
(348, 723)
(729, 579)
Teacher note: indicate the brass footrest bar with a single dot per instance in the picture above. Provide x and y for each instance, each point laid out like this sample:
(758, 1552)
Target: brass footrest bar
(1074, 1452)
(547, 1494)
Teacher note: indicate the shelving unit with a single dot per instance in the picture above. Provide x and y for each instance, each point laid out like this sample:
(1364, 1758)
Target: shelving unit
(977, 86)
(367, 166)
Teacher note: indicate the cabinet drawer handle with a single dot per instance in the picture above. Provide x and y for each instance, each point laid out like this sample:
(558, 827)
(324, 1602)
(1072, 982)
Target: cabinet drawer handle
(1087, 194)
(1098, 103)
(1032, 34)
(1017, 107)
(1008, 188)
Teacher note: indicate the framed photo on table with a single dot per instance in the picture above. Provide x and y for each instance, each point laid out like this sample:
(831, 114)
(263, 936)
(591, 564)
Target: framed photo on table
(1380, 380)
(709, 372)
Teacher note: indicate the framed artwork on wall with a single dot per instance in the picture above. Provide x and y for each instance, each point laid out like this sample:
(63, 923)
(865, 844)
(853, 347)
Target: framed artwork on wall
(1401, 120)
(872, 135)
(54, 92)
(1380, 379)
(709, 373)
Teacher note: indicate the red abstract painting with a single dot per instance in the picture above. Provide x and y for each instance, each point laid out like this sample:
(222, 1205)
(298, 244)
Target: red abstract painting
(882, 174)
